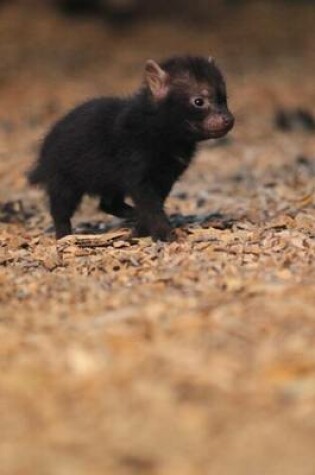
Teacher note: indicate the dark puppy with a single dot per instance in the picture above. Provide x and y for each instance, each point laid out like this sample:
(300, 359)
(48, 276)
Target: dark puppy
(136, 147)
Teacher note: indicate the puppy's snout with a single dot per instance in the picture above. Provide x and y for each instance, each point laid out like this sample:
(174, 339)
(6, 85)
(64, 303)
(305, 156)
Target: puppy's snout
(220, 122)
(228, 120)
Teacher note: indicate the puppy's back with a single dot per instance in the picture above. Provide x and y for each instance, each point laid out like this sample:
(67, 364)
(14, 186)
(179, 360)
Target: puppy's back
(76, 137)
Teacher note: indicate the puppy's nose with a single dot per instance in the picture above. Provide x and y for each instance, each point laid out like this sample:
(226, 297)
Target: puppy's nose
(228, 120)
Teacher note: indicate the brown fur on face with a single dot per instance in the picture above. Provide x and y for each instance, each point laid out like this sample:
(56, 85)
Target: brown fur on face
(197, 83)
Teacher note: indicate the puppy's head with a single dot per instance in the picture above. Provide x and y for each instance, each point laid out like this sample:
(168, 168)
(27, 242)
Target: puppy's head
(194, 92)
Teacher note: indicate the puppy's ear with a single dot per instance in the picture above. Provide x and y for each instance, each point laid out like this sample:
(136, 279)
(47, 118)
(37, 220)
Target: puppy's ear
(156, 79)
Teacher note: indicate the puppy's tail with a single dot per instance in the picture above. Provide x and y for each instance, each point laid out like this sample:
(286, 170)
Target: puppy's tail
(35, 175)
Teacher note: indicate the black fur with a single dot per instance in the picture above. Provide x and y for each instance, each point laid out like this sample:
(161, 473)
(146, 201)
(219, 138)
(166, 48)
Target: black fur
(136, 147)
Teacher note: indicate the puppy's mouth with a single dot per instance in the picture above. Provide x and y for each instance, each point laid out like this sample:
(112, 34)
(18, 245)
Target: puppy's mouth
(217, 133)
(203, 133)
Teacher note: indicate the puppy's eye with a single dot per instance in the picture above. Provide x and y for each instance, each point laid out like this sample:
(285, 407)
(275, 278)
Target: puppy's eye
(199, 102)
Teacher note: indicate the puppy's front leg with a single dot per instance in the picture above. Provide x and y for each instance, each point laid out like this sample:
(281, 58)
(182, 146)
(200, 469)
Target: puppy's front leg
(151, 216)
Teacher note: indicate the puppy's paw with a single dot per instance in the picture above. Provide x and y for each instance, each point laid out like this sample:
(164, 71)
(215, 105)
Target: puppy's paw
(162, 232)
(140, 230)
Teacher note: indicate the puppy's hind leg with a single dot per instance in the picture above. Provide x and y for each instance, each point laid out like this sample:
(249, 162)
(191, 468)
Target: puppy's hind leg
(63, 202)
(116, 206)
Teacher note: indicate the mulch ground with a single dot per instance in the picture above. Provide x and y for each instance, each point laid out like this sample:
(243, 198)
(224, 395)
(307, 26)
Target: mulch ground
(124, 356)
